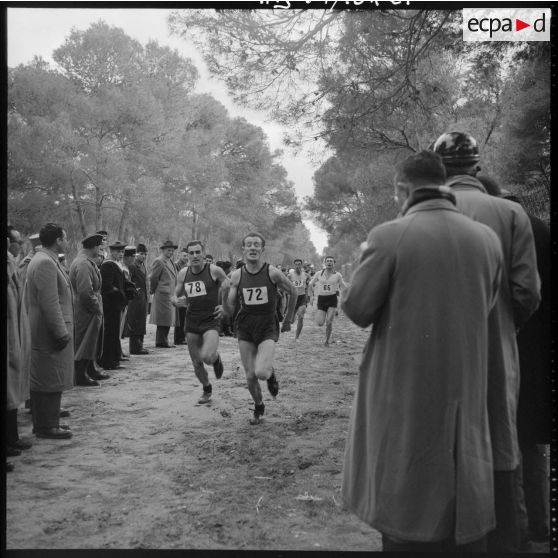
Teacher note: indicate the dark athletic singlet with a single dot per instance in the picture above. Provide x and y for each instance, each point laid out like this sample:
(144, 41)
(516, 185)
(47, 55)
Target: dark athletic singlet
(257, 292)
(202, 292)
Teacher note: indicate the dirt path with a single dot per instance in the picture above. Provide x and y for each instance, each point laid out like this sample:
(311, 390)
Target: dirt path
(150, 468)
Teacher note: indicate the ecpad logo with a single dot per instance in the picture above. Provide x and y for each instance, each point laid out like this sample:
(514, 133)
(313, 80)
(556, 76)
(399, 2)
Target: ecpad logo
(506, 24)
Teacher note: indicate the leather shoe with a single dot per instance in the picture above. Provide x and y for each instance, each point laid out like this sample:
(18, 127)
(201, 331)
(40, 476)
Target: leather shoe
(21, 444)
(53, 433)
(125, 357)
(140, 352)
(64, 413)
(12, 451)
(99, 377)
(86, 381)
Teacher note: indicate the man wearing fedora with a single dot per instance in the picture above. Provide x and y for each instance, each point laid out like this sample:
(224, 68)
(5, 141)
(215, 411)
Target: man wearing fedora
(114, 301)
(137, 307)
(162, 283)
(85, 278)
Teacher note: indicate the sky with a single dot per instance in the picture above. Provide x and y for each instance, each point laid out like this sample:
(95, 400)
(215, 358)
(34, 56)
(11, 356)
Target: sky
(39, 31)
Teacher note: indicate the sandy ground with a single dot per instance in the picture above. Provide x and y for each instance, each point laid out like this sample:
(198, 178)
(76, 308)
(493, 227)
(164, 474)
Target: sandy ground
(150, 468)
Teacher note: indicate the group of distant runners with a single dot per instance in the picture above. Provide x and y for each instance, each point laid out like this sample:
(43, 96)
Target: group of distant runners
(250, 295)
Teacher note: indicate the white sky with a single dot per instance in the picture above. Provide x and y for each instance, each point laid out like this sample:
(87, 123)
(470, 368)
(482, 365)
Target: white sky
(39, 31)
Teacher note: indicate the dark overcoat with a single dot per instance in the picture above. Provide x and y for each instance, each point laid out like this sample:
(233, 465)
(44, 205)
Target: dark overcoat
(137, 307)
(49, 302)
(85, 278)
(418, 459)
(534, 411)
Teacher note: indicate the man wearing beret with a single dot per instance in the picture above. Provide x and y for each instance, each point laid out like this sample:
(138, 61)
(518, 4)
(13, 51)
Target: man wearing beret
(85, 278)
(137, 307)
(114, 301)
(162, 284)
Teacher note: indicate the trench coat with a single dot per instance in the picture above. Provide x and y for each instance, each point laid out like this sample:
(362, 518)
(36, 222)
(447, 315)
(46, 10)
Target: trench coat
(518, 299)
(85, 278)
(534, 411)
(137, 307)
(49, 300)
(18, 341)
(418, 459)
(162, 283)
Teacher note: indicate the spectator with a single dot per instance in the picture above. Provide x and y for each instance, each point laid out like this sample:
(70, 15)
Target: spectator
(179, 331)
(518, 298)
(137, 307)
(418, 460)
(49, 301)
(114, 301)
(85, 278)
(534, 408)
(162, 283)
(18, 349)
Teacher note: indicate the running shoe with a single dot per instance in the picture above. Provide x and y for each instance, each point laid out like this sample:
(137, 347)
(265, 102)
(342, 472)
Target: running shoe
(273, 385)
(258, 414)
(205, 398)
(218, 367)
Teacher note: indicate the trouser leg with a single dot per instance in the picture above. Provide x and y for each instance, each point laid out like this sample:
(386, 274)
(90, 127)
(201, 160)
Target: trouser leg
(12, 435)
(135, 343)
(45, 408)
(506, 536)
(162, 335)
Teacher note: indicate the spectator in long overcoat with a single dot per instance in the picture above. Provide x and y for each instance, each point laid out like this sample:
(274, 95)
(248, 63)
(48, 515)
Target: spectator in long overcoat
(418, 460)
(85, 278)
(518, 298)
(534, 408)
(49, 300)
(162, 283)
(137, 307)
(22, 266)
(131, 293)
(114, 301)
(18, 353)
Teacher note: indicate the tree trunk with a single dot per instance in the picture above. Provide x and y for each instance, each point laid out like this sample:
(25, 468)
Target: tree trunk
(124, 216)
(79, 210)
(195, 223)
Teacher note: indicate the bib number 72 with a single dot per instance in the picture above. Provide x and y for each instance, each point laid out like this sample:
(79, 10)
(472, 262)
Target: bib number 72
(255, 295)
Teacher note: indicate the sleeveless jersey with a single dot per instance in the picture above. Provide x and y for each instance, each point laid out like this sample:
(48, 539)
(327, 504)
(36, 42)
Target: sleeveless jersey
(202, 292)
(299, 281)
(328, 285)
(257, 292)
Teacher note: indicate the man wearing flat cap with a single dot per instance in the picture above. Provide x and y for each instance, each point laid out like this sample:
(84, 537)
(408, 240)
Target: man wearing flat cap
(162, 284)
(85, 278)
(137, 307)
(114, 301)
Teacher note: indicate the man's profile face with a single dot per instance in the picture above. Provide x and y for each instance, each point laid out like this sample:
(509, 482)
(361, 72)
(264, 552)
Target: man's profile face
(95, 251)
(15, 243)
(195, 255)
(62, 243)
(252, 248)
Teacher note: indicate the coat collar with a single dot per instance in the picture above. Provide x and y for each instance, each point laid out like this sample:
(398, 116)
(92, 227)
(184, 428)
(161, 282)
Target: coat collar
(465, 182)
(431, 204)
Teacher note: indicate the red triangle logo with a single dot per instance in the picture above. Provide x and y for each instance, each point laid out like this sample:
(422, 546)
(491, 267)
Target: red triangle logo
(519, 25)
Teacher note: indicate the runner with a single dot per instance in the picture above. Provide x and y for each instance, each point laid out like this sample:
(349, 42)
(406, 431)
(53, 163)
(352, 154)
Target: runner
(197, 288)
(300, 279)
(327, 283)
(257, 326)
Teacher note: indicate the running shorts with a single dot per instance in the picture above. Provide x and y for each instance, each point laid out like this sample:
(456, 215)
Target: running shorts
(199, 325)
(257, 328)
(300, 301)
(327, 301)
